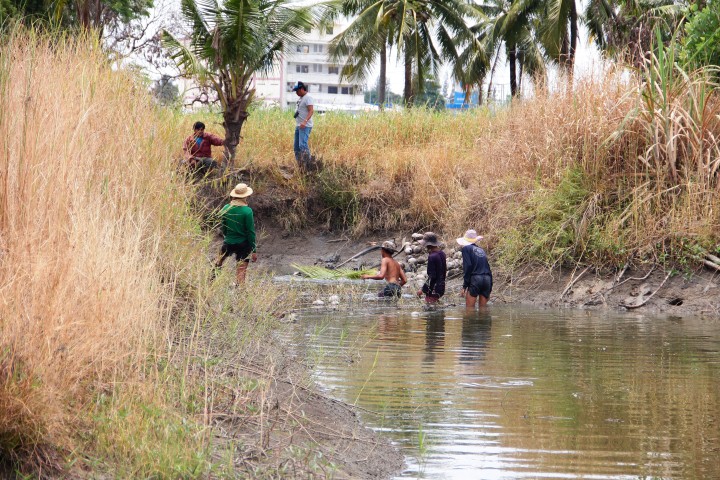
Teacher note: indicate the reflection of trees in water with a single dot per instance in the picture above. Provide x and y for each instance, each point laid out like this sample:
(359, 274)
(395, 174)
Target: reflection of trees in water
(475, 336)
(434, 334)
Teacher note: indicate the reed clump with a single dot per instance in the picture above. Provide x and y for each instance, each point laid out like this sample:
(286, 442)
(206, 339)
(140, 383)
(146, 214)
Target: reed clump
(94, 240)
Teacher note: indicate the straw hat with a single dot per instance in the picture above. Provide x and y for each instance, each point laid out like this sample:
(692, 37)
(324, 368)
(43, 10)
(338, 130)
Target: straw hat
(469, 238)
(241, 191)
(430, 239)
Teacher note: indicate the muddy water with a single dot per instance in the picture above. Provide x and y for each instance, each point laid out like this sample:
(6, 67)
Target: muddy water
(514, 393)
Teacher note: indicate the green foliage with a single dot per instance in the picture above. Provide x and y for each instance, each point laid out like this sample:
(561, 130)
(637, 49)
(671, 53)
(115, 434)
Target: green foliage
(550, 235)
(322, 273)
(701, 45)
(430, 96)
(337, 189)
(371, 96)
(166, 92)
(134, 439)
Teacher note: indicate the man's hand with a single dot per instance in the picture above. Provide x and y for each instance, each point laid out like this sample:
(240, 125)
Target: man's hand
(419, 293)
(463, 292)
(253, 258)
(303, 124)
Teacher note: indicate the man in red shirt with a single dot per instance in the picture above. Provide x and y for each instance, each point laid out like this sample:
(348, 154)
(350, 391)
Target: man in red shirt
(197, 148)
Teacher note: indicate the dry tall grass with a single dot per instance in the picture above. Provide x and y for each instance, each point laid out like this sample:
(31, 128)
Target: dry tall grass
(623, 166)
(90, 213)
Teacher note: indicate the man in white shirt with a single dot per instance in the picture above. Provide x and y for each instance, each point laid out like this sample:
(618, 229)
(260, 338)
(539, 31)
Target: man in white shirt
(303, 124)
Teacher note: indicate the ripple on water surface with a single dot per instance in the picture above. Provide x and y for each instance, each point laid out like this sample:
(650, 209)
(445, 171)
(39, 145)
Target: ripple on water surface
(515, 393)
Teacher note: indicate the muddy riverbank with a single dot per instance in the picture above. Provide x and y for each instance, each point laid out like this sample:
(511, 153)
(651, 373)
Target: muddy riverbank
(644, 288)
(330, 431)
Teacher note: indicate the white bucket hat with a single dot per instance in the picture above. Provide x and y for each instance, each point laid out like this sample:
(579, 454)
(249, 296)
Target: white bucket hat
(469, 238)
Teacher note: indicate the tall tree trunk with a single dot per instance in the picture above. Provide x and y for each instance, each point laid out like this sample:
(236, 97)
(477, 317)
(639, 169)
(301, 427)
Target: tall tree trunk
(408, 90)
(521, 61)
(492, 71)
(512, 58)
(573, 39)
(233, 120)
(382, 82)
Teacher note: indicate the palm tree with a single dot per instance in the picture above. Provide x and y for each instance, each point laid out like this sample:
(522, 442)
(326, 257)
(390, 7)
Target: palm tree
(423, 31)
(364, 40)
(516, 25)
(228, 43)
(623, 29)
(559, 31)
(426, 31)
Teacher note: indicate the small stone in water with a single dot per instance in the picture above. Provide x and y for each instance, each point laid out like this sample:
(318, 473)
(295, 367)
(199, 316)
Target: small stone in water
(417, 236)
(318, 302)
(417, 249)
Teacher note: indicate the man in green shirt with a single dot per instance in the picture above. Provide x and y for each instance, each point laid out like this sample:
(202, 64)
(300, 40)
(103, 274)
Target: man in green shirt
(238, 227)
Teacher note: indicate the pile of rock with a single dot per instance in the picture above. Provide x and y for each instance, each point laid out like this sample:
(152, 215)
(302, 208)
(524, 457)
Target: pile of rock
(416, 258)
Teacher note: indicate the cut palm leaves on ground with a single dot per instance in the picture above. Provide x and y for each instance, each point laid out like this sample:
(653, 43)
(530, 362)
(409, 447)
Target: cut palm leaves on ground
(322, 273)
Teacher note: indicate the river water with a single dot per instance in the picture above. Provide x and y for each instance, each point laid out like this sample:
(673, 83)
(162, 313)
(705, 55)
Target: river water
(522, 393)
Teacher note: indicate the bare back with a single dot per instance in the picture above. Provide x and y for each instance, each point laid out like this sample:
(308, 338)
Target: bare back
(392, 272)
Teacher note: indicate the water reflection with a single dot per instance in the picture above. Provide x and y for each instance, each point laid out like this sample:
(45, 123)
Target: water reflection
(434, 334)
(507, 393)
(476, 332)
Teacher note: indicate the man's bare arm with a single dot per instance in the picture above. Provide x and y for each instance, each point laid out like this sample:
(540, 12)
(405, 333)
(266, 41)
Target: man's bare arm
(381, 274)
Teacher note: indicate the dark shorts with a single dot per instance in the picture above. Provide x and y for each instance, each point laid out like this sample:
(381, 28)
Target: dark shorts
(480, 285)
(391, 290)
(242, 251)
(437, 293)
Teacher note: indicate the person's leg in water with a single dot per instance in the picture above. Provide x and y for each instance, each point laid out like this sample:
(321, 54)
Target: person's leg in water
(469, 299)
(478, 291)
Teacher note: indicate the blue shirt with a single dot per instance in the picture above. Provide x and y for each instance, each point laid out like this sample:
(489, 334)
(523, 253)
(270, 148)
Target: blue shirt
(475, 262)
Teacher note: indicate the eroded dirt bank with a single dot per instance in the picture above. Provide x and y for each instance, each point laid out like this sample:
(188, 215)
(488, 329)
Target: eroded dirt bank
(643, 288)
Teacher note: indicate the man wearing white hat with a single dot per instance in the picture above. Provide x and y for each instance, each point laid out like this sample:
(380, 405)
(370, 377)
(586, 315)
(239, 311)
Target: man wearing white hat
(238, 227)
(477, 276)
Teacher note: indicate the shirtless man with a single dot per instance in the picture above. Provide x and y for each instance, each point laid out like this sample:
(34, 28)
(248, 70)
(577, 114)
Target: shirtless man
(390, 271)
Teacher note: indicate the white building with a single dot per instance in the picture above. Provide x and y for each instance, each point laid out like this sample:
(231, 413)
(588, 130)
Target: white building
(307, 61)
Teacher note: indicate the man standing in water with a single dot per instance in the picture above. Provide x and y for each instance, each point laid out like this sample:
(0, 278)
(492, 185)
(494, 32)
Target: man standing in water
(434, 287)
(198, 149)
(477, 277)
(390, 271)
(303, 125)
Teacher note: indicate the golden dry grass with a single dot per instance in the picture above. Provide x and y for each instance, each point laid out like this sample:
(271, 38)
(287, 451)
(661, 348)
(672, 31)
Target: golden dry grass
(501, 172)
(90, 214)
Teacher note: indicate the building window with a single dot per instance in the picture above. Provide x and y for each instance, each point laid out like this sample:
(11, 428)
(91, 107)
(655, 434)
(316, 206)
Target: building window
(318, 48)
(329, 30)
(302, 68)
(346, 90)
(333, 70)
(303, 48)
(332, 89)
(317, 68)
(315, 88)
